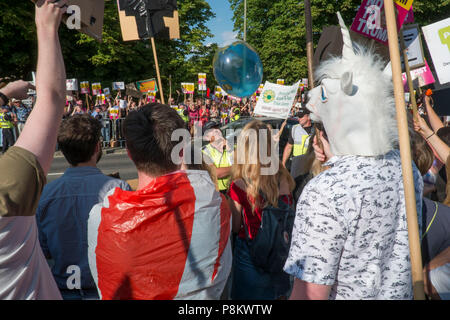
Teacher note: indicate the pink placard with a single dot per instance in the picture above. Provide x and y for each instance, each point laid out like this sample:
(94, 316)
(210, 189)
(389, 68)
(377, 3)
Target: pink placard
(404, 17)
(369, 20)
(424, 76)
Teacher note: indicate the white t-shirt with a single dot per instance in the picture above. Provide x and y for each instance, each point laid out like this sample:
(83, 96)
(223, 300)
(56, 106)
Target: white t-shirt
(24, 271)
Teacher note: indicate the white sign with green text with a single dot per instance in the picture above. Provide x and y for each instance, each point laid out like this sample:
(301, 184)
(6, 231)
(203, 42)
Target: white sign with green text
(276, 100)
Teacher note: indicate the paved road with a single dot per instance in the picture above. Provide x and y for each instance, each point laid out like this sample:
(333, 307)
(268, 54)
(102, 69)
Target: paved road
(110, 163)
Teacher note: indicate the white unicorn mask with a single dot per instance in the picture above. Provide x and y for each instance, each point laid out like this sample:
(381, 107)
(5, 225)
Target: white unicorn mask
(355, 101)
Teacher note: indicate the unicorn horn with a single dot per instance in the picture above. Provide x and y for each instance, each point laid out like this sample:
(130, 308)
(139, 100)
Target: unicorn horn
(347, 49)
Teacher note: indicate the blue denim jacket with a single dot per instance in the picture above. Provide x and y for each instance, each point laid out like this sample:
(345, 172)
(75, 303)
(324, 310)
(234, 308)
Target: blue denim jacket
(62, 217)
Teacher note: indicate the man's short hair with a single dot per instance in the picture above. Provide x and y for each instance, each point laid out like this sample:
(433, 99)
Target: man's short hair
(148, 135)
(78, 137)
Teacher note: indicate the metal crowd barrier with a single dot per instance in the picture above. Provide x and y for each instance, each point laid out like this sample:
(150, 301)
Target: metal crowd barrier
(112, 132)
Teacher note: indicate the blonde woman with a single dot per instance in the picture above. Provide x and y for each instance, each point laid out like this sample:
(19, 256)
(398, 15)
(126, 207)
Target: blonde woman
(254, 186)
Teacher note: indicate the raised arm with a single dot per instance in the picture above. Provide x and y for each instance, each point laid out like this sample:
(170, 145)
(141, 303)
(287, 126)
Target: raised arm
(435, 121)
(40, 131)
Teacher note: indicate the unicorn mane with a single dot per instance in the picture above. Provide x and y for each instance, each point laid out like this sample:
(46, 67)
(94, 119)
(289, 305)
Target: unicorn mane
(361, 121)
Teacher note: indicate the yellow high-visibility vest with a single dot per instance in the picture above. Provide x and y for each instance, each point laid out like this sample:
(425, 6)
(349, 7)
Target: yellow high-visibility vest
(220, 161)
(5, 124)
(301, 142)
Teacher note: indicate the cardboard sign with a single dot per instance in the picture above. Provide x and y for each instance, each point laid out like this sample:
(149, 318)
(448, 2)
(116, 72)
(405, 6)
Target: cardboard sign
(276, 100)
(437, 36)
(420, 77)
(145, 86)
(118, 86)
(141, 20)
(84, 87)
(202, 82)
(96, 88)
(132, 91)
(72, 85)
(91, 16)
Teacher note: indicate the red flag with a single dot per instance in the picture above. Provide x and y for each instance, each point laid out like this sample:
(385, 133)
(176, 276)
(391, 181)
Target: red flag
(169, 240)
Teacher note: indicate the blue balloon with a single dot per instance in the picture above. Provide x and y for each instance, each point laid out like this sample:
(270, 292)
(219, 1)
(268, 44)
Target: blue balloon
(238, 69)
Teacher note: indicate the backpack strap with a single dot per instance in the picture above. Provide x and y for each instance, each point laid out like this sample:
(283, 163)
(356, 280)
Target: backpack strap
(432, 220)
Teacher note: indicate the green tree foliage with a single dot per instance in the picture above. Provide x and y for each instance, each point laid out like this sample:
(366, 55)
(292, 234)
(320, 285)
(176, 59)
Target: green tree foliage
(276, 29)
(112, 59)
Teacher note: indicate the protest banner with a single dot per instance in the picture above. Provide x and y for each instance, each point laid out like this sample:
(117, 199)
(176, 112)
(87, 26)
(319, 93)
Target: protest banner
(84, 87)
(276, 100)
(72, 85)
(437, 36)
(280, 81)
(413, 47)
(118, 86)
(202, 82)
(188, 88)
(96, 88)
(420, 77)
(145, 86)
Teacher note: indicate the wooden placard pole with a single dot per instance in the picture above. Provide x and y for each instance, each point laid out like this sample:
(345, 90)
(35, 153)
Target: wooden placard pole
(152, 40)
(405, 152)
(309, 43)
(408, 74)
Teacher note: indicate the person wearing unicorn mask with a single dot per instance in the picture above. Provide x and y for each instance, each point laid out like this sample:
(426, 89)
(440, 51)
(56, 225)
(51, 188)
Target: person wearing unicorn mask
(350, 237)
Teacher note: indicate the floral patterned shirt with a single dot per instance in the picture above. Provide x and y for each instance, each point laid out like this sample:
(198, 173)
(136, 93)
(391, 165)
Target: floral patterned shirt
(351, 232)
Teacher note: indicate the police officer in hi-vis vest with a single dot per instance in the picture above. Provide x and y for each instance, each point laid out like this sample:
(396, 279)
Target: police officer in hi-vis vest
(298, 141)
(218, 153)
(7, 127)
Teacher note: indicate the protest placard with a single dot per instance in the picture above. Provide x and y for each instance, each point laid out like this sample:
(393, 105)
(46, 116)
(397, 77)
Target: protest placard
(369, 20)
(218, 92)
(437, 36)
(145, 86)
(420, 77)
(107, 92)
(202, 82)
(84, 87)
(96, 88)
(118, 86)
(414, 48)
(72, 85)
(187, 87)
(404, 16)
(276, 100)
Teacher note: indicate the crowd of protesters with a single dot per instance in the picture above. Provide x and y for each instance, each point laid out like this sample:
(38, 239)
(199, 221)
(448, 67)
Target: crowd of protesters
(188, 230)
